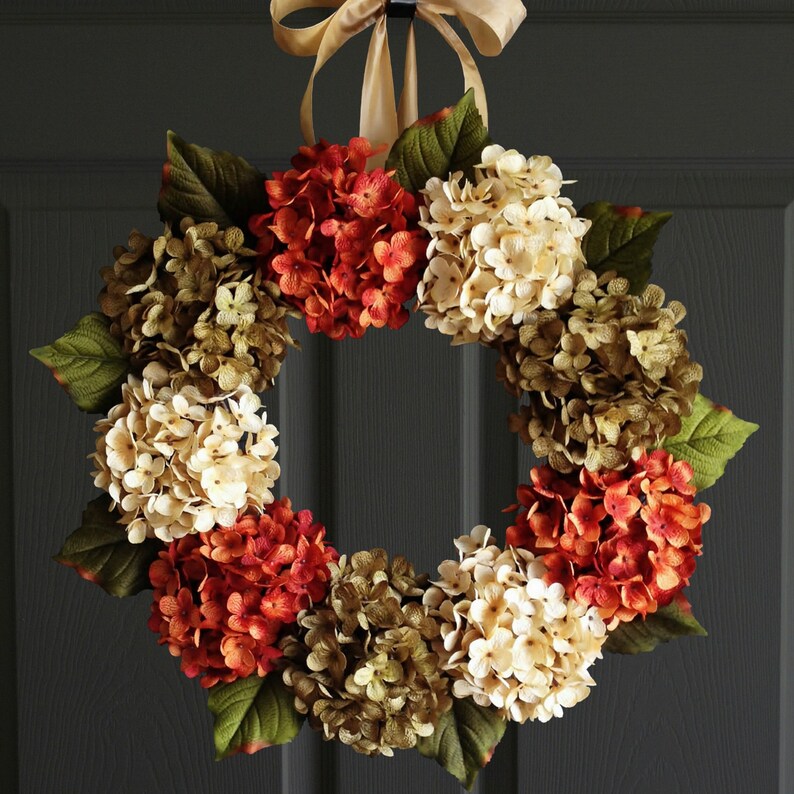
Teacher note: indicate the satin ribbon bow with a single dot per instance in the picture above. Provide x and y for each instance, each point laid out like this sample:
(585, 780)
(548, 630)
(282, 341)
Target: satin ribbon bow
(491, 24)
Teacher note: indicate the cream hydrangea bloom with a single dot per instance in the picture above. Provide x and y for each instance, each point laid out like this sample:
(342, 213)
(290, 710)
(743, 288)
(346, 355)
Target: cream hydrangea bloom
(501, 248)
(176, 463)
(508, 639)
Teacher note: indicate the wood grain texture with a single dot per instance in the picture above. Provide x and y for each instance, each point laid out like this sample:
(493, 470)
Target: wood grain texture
(304, 391)
(786, 740)
(27, 12)
(619, 83)
(361, 425)
(8, 653)
(398, 439)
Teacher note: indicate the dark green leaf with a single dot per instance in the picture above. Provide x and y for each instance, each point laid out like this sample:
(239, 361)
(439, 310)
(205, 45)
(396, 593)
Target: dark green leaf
(464, 740)
(709, 438)
(251, 714)
(622, 239)
(100, 552)
(209, 186)
(88, 362)
(450, 140)
(641, 636)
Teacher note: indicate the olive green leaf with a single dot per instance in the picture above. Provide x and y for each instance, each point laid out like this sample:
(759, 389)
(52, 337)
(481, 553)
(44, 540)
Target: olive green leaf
(251, 714)
(100, 552)
(450, 140)
(709, 438)
(88, 362)
(622, 239)
(209, 186)
(641, 636)
(464, 739)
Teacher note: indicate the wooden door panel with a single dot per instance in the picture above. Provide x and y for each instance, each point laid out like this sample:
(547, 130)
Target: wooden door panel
(399, 439)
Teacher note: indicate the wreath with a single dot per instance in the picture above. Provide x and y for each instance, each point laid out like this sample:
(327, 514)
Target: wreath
(248, 592)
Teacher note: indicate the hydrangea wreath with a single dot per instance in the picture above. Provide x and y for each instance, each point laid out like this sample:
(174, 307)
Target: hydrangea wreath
(247, 591)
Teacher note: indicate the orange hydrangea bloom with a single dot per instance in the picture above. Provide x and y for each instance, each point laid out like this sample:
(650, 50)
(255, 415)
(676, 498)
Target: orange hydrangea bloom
(222, 598)
(624, 541)
(343, 243)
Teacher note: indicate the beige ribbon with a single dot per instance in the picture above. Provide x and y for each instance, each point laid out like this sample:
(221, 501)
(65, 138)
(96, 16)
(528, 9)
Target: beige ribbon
(491, 24)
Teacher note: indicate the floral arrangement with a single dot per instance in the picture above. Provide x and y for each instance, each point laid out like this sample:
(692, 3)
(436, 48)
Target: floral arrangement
(247, 591)
(342, 243)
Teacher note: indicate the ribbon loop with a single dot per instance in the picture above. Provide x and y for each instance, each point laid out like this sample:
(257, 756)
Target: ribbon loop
(491, 24)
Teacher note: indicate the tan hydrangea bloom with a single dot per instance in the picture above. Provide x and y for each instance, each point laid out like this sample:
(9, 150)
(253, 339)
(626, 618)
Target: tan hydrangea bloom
(175, 463)
(507, 638)
(195, 303)
(605, 374)
(360, 665)
(501, 248)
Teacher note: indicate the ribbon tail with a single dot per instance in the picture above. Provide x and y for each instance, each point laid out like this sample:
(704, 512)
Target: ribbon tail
(471, 74)
(408, 111)
(307, 114)
(351, 18)
(378, 121)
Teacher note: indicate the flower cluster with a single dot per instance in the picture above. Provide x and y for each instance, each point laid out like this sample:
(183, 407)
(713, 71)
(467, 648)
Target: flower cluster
(360, 666)
(190, 308)
(222, 598)
(607, 373)
(507, 638)
(623, 541)
(339, 240)
(502, 247)
(174, 463)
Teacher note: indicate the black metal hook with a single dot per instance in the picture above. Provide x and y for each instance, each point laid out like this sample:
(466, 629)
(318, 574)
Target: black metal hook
(401, 9)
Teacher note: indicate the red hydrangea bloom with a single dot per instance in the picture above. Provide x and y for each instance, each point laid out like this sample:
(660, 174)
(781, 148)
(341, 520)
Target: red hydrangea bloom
(222, 598)
(624, 541)
(343, 244)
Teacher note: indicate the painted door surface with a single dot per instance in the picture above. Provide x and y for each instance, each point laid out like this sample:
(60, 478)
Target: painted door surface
(399, 440)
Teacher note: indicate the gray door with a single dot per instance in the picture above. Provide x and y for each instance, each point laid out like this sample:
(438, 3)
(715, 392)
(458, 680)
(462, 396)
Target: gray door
(400, 440)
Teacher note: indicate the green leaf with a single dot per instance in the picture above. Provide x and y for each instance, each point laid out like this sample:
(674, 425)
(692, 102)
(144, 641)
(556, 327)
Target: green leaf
(622, 239)
(100, 552)
(709, 438)
(641, 636)
(450, 140)
(209, 186)
(464, 739)
(251, 714)
(88, 362)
